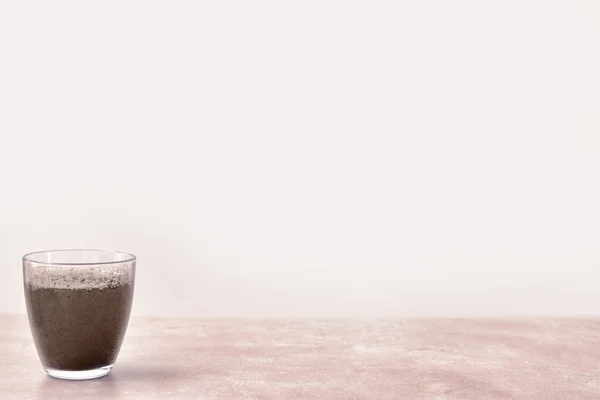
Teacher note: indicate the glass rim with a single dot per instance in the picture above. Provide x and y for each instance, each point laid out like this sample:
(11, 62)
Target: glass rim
(127, 257)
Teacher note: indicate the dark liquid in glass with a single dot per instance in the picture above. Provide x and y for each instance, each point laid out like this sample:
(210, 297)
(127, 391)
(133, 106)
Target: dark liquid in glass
(78, 329)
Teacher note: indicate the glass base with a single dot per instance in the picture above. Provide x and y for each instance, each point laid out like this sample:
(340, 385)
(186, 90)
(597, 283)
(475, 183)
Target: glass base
(79, 375)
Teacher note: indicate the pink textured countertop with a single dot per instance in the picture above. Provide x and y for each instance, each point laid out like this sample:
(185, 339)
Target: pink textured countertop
(428, 359)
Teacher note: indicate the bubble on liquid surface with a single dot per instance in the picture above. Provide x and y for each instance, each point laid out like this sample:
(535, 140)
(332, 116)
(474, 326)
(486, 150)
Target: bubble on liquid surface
(79, 277)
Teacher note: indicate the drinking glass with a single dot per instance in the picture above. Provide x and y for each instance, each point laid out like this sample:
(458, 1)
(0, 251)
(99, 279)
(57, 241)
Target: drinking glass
(78, 304)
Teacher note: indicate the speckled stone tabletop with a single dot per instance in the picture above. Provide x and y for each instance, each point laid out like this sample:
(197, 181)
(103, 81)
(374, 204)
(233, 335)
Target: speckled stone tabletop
(404, 359)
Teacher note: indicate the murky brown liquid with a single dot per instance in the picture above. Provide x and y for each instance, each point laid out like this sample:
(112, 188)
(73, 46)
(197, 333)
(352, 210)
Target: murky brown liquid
(78, 329)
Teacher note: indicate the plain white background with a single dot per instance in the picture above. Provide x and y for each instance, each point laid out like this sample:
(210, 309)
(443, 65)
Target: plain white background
(313, 158)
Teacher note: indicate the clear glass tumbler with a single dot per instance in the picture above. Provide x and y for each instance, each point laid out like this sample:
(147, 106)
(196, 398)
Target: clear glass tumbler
(78, 303)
